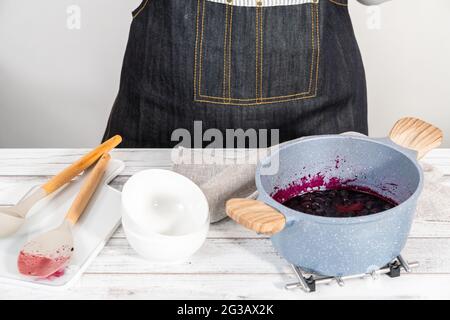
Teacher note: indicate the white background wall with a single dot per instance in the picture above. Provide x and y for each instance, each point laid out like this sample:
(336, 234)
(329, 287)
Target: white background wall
(407, 62)
(57, 85)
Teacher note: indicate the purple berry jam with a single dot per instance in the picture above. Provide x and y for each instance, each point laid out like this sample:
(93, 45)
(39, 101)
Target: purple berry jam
(340, 203)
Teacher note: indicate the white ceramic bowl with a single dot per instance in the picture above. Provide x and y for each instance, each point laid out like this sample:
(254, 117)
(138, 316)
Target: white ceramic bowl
(165, 215)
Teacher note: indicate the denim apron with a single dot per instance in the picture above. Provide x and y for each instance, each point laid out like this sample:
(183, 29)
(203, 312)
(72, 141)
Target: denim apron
(291, 65)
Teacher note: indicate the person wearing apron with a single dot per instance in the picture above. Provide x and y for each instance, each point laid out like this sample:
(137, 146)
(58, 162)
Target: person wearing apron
(291, 65)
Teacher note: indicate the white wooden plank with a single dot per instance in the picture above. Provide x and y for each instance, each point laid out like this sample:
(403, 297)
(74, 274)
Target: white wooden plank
(13, 188)
(439, 158)
(429, 229)
(226, 229)
(225, 287)
(250, 256)
(50, 161)
(438, 153)
(230, 229)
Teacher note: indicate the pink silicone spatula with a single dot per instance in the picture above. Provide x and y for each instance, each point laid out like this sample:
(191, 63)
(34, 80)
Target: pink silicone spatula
(50, 252)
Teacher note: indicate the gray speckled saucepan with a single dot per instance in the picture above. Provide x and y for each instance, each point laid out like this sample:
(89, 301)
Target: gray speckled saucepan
(340, 246)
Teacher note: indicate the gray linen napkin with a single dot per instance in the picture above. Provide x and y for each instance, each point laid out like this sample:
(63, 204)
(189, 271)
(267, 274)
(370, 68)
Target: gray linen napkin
(223, 178)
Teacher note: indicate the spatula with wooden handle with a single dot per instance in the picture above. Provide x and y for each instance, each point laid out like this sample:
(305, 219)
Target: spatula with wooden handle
(12, 218)
(51, 251)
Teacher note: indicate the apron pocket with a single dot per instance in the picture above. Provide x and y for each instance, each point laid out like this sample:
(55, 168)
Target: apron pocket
(259, 52)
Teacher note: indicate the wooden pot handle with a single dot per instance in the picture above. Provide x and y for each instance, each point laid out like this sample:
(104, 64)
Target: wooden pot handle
(255, 215)
(87, 190)
(80, 165)
(416, 134)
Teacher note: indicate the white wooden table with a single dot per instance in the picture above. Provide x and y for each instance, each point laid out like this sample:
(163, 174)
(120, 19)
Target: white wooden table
(233, 263)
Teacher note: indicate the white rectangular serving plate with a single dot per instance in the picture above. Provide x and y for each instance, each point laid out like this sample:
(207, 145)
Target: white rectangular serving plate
(95, 227)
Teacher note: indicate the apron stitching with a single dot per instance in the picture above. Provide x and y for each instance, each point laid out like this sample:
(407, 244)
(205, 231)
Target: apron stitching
(229, 53)
(141, 9)
(313, 40)
(261, 21)
(225, 52)
(339, 3)
(267, 100)
(268, 3)
(201, 52)
(318, 48)
(256, 52)
(196, 50)
(256, 103)
(259, 53)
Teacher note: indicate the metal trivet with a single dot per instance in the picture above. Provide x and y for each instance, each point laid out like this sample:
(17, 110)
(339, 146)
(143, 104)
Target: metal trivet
(308, 282)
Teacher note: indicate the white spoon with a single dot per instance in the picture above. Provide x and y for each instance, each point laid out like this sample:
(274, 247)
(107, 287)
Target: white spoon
(50, 252)
(12, 218)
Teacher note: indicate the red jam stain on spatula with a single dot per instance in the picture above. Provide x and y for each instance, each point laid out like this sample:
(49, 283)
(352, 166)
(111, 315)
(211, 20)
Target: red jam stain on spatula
(40, 266)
